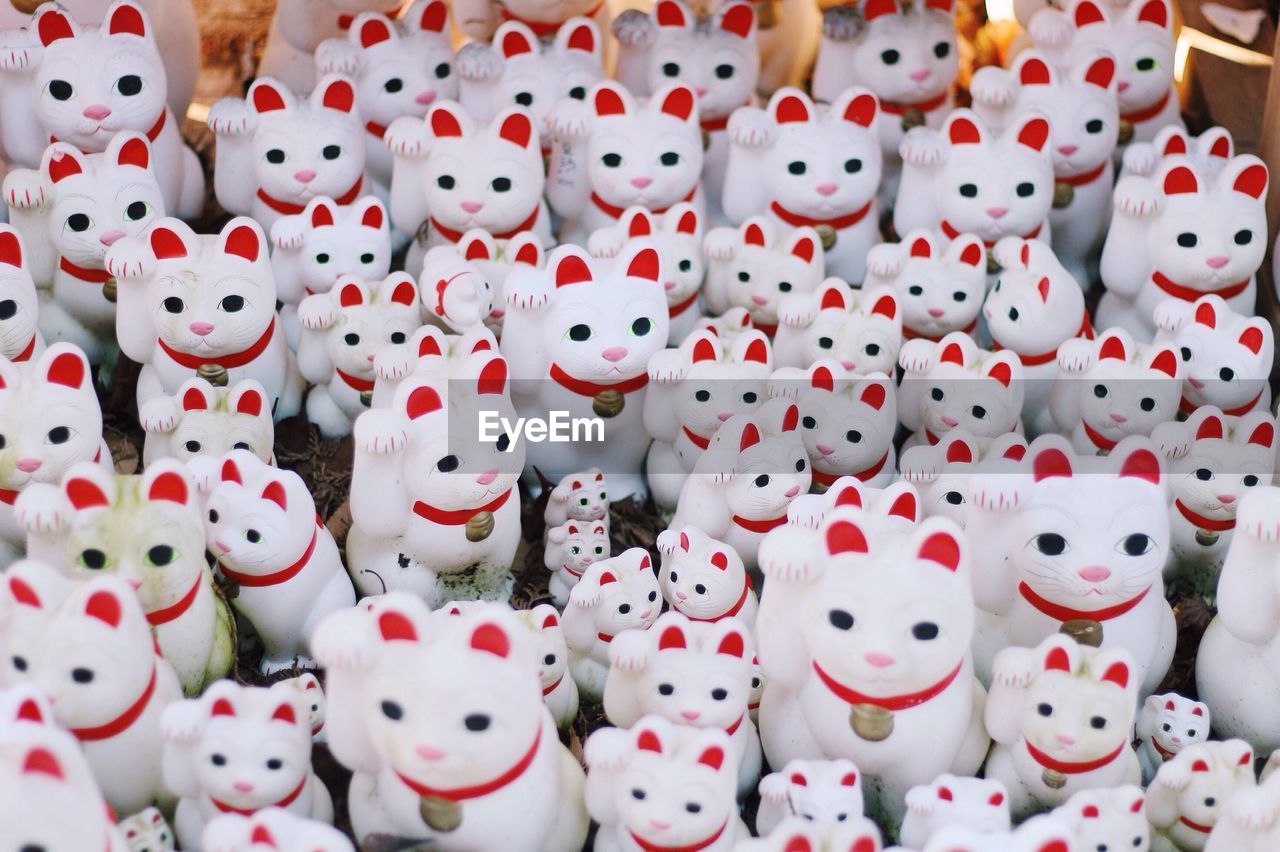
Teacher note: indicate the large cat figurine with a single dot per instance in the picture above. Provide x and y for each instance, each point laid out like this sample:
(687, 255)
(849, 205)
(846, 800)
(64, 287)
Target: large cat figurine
(718, 57)
(906, 55)
(192, 302)
(277, 150)
(579, 335)
(1184, 235)
(613, 151)
(203, 420)
(1080, 104)
(758, 265)
(70, 212)
(398, 68)
(939, 282)
(1226, 356)
(50, 420)
(799, 164)
(298, 27)
(85, 84)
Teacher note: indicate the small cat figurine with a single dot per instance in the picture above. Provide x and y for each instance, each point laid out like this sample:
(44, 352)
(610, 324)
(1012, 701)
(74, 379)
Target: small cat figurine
(979, 804)
(818, 791)
(299, 27)
(704, 579)
(342, 332)
(581, 496)
(238, 749)
(276, 828)
(314, 248)
(1061, 715)
(613, 151)
(906, 55)
(308, 685)
(398, 68)
(967, 179)
(262, 529)
(1111, 387)
(693, 390)
(945, 472)
(801, 165)
(1214, 460)
(86, 83)
(718, 56)
(1209, 151)
(862, 329)
(1191, 791)
(277, 150)
(1113, 817)
(20, 337)
(203, 420)
(758, 265)
(459, 295)
(1080, 104)
(678, 236)
(431, 354)
(50, 420)
(570, 549)
(939, 282)
(493, 261)
(517, 69)
(1166, 725)
(148, 831)
(1035, 306)
(614, 595)
(1226, 356)
(89, 649)
(202, 302)
(559, 690)
(1183, 235)
(70, 212)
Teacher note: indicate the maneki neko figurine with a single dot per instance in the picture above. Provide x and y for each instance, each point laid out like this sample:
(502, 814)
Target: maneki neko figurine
(758, 265)
(1193, 789)
(979, 804)
(939, 283)
(20, 336)
(1226, 356)
(705, 579)
(1166, 725)
(946, 471)
(820, 791)
(298, 27)
(203, 420)
(570, 549)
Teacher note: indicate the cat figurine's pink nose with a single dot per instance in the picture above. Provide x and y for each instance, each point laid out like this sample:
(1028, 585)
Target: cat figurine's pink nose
(878, 659)
(936, 312)
(243, 787)
(428, 752)
(760, 300)
(950, 421)
(1119, 418)
(659, 824)
(97, 112)
(921, 74)
(472, 206)
(792, 491)
(1217, 261)
(825, 449)
(305, 175)
(700, 90)
(1066, 740)
(201, 328)
(641, 182)
(997, 212)
(487, 477)
(668, 285)
(1227, 498)
(614, 353)
(1068, 150)
(425, 98)
(109, 237)
(1095, 573)
(827, 188)
(723, 416)
(691, 715)
(29, 465)
(848, 365)
(1123, 86)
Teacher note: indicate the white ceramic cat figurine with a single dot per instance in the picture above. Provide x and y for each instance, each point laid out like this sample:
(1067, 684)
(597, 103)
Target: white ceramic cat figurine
(429, 354)
(704, 579)
(518, 69)
(459, 295)
(685, 777)
(613, 151)
(614, 595)
(449, 531)
(954, 384)
(238, 749)
(1209, 151)
(569, 551)
(1192, 790)
(1141, 38)
(821, 791)
(717, 56)
(978, 804)
(479, 18)
(88, 647)
(1166, 725)
(51, 420)
(1080, 104)
(277, 150)
(398, 68)
(678, 236)
(907, 55)
(939, 283)
(146, 529)
(578, 336)
(298, 27)
(753, 468)
(1061, 715)
(274, 828)
(192, 302)
(967, 179)
(1227, 356)
(86, 83)
(70, 212)
(1112, 817)
(848, 422)
(1213, 462)
(692, 673)
(147, 831)
(20, 336)
(758, 265)
(802, 165)
(945, 472)
(203, 420)
(456, 173)
(444, 724)
(1111, 387)
(1249, 822)
(694, 389)
(559, 690)
(1046, 553)
(902, 706)
(1035, 306)
(862, 329)
(1044, 833)
(494, 260)
(1185, 235)
(262, 528)
(314, 248)
(308, 685)
(342, 331)
(581, 496)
